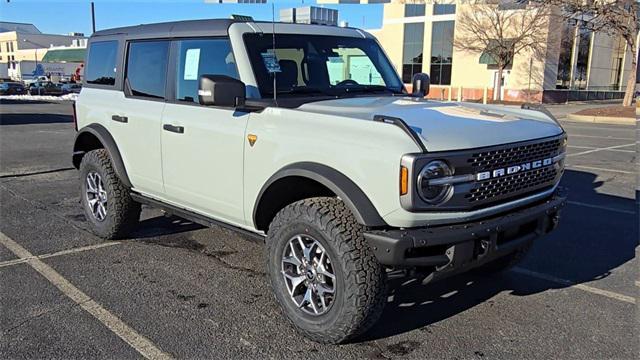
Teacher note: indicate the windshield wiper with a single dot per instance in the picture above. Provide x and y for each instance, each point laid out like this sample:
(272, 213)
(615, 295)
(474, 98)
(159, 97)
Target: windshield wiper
(304, 90)
(369, 88)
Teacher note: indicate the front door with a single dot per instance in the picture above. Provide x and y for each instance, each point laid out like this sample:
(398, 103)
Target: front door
(202, 147)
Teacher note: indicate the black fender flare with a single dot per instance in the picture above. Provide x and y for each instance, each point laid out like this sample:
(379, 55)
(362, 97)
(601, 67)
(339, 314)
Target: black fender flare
(109, 144)
(355, 199)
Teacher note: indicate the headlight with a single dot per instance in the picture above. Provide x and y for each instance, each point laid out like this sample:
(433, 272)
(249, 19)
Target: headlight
(434, 194)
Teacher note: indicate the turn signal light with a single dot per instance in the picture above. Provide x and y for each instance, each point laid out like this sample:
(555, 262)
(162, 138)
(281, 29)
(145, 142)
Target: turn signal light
(404, 180)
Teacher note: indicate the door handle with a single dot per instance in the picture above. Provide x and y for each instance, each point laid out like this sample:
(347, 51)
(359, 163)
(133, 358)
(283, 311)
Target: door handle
(118, 118)
(173, 128)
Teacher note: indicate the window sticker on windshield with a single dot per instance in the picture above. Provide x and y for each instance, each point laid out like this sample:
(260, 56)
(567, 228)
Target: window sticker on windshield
(335, 59)
(271, 62)
(191, 61)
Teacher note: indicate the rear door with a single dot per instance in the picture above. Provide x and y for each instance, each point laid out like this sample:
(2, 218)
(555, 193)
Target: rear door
(202, 147)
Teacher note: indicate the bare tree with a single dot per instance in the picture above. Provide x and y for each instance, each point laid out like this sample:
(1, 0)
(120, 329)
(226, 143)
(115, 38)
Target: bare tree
(501, 32)
(616, 18)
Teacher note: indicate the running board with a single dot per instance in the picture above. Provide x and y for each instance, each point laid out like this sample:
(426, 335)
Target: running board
(193, 217)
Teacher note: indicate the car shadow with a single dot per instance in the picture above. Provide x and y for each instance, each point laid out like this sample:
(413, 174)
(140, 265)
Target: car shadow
(29, 119)
(607, 239)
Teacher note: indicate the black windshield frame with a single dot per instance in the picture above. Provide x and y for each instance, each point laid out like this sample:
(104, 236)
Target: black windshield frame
(256, 44)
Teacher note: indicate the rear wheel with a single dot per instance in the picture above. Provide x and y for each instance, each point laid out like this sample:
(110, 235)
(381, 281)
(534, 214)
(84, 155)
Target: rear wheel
(324, 276)
(106, 202)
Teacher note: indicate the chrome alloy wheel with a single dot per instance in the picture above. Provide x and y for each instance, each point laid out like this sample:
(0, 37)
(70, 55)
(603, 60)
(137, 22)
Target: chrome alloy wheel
(96, 196)
(308, 274)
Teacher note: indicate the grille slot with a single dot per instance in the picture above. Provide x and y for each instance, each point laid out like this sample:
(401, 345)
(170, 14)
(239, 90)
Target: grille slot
(488, 160)
(511, 184)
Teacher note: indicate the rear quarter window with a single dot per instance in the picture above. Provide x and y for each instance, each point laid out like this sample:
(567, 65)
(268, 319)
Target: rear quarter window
(101, 64)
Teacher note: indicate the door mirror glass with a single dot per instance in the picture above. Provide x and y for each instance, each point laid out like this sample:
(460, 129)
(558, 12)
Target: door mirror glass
(220, 90)
(420, 84)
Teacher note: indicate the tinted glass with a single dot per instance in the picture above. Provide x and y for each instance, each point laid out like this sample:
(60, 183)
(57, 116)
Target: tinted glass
(412, 50)
(414, 10)
(198, 57)
(444, 9)
(441, 52)
(147, 68)
(101, 65)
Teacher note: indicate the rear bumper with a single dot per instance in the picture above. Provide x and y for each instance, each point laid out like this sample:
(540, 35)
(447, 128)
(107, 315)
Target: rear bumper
(462, 246)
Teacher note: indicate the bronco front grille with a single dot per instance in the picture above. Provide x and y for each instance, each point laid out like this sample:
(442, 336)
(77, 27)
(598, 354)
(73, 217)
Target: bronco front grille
(487, 160)
(512, 184)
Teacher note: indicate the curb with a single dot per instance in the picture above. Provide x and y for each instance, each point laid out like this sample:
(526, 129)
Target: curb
(602, 119)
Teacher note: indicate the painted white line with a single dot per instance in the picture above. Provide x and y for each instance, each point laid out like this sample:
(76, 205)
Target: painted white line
(600, 169)
(638, 283)
(622, 211)
(610, 127)
(609, 294)
(63, 252)
(601, 137)
(594, 148)
(601, 149)
(140, 343)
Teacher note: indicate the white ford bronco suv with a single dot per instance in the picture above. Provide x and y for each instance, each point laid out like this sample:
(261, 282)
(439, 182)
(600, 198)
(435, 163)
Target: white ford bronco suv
(309, 141)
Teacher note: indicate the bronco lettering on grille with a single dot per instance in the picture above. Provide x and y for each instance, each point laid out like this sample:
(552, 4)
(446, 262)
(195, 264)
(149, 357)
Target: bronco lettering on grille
(513, 169)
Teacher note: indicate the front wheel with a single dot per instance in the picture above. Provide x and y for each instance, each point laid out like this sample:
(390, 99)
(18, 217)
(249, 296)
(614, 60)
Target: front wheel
(106, 202)
(322, 271)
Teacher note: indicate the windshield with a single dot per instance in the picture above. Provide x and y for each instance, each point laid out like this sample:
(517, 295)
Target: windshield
(319, 64)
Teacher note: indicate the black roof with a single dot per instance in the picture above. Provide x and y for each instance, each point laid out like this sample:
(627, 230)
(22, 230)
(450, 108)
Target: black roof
(212, 27)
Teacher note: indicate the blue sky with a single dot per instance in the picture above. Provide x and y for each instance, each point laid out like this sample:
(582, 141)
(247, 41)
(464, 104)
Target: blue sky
(61, 17)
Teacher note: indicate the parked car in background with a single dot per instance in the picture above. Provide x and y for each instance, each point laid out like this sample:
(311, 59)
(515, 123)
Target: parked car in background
(71, 88)
(12, 88)
(45, 88)
(34, 80)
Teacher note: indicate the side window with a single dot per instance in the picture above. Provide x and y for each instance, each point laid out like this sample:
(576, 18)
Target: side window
(101, 65)
(147, 68)
(198, 57)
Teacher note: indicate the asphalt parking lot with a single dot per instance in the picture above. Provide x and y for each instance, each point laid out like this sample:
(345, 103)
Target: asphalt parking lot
(176, 289)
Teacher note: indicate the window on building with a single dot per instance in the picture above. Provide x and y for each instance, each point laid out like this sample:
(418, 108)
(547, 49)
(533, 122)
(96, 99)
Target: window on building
(582, 61)
(412, 50)
(147, 68)
(441, 52)
(101, 65)
(563, 79)
(198, 57)
(444, 9)
(414, 10)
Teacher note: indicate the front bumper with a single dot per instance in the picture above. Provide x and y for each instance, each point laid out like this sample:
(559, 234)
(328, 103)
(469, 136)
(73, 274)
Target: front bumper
(462, 246)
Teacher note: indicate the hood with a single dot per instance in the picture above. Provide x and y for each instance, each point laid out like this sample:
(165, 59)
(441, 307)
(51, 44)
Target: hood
(447, 126)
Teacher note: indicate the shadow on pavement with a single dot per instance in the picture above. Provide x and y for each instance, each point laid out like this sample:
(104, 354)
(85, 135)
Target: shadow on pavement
(26, 119)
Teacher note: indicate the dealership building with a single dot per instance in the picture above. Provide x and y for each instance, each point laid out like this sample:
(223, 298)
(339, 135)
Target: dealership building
(26, 52)
(578, 64)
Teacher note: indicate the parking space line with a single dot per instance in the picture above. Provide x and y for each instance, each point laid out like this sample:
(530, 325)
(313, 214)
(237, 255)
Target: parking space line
(590, 289)
(594, 148)
(579, 126)
(600, 207)
(601, 149)
(138, 342)
(601, 137)
(600, 169)
(63, 252)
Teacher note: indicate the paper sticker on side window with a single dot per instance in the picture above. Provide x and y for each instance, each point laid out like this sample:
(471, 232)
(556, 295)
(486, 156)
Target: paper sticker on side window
(271, 62)
(191, 61)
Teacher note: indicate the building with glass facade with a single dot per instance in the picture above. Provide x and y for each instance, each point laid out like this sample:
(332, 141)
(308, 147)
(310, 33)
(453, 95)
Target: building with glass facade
(577, 64)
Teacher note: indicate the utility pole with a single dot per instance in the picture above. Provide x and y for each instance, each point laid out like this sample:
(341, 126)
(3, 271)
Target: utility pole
(93, 16)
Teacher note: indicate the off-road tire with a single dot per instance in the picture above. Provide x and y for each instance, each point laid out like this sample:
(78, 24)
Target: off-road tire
(360, 279)
(122, 212)
(506, 262)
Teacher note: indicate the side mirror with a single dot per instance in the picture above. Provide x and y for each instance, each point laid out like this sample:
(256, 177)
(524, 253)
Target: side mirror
(220, 90)
(420, 85)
